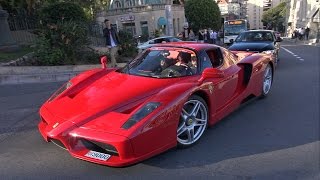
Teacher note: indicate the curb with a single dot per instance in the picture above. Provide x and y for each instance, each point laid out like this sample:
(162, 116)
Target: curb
(42, 74)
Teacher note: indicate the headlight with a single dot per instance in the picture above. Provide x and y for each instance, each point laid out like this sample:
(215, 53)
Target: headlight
(140, 114)
(269, 52)
(60, 90)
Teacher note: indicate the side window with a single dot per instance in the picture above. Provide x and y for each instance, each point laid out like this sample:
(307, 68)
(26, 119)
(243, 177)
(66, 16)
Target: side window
(151, 42)
(160, 40)
(166, 40)
(205, 61)
(215, 57)
(156, 41)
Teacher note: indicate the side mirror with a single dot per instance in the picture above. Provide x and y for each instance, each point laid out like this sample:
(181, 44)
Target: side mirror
(103, 61)
(211, 73)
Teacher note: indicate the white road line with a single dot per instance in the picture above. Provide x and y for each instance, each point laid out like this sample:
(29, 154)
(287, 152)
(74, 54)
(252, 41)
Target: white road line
(290, 52)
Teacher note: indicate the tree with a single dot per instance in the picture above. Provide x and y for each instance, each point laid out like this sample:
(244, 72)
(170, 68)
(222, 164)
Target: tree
(275, 17)
(202, 14)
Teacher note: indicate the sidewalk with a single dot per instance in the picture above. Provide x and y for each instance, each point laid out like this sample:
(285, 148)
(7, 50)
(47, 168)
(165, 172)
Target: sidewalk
(41, 74)
(311, 42)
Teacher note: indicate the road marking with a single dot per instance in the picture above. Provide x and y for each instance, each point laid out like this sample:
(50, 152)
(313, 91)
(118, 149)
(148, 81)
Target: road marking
(290, 52)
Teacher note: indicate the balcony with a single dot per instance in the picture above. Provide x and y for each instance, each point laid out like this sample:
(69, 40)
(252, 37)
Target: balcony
(140, 9)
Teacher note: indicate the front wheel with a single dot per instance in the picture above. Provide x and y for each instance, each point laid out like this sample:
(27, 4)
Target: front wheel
(267, 81)
(193, 121)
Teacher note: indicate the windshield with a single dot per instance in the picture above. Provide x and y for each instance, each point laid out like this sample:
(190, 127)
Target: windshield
(230, 30)
(255, 36)
(163, 62)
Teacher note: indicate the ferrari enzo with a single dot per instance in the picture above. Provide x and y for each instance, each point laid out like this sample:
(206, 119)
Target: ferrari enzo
(163, 98)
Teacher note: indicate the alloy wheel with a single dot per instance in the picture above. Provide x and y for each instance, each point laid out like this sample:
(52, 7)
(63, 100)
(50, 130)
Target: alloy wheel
(193, 121)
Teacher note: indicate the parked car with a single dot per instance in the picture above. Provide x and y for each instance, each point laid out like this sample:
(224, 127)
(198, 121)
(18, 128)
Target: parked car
(262, 41)
(158, 40)
(165, 97)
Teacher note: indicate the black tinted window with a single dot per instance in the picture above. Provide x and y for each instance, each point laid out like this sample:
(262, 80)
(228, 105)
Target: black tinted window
(205, 62)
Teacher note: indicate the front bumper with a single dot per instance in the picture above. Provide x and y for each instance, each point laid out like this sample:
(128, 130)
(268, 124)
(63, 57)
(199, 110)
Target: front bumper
(119, 147)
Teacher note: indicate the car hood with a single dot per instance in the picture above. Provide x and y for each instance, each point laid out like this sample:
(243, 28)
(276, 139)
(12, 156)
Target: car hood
(251, 46)
(108, 93)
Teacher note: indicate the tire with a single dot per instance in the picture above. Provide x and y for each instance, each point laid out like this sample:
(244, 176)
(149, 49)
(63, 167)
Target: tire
(267, 81)
(193, 121)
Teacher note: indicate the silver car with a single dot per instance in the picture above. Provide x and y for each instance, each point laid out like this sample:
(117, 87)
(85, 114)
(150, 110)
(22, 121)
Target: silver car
(162, 39)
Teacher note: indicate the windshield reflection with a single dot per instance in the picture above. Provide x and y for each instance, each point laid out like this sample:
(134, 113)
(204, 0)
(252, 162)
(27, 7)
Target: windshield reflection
(255, 36)
(163, 62)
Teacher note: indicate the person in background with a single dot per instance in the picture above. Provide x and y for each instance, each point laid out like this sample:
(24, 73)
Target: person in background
(302, 34)
(214, 37)
(112, 41)
(307, 31)
(191, 35)
(209, 40)
(200, 36)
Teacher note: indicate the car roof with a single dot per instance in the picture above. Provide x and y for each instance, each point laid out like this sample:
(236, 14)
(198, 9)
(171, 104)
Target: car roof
(197, 46)
(163, 37)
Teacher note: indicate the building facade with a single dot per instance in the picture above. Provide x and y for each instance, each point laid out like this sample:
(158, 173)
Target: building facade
(233, 9)
(302, 14)
(145, 17)
(255, 10)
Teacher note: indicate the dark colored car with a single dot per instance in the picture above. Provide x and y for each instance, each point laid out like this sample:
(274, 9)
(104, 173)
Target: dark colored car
(262, 41)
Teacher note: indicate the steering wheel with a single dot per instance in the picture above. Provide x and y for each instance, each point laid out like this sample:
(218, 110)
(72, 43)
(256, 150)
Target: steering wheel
(169, 72)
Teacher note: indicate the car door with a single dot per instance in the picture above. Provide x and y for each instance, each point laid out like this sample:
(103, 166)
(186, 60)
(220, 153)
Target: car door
(224, 89)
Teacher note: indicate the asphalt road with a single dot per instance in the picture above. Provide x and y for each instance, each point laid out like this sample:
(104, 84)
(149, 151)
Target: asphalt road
(273, 138)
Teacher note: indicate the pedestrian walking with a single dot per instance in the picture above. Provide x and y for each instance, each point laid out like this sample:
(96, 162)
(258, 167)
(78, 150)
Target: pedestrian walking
(112, 41)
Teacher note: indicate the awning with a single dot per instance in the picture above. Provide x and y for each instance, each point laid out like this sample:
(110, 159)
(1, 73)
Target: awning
(162, 21)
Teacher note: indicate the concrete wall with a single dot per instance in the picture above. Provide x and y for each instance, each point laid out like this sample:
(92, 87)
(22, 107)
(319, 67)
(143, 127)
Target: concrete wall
(303, 13)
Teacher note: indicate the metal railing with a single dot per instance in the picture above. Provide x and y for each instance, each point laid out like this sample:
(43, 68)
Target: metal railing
(23, 29)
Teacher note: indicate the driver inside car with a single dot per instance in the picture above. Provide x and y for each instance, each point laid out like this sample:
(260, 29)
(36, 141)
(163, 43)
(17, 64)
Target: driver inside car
(181, 65)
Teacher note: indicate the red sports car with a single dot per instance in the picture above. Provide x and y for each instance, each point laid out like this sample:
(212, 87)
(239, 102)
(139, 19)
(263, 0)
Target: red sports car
(165, 97)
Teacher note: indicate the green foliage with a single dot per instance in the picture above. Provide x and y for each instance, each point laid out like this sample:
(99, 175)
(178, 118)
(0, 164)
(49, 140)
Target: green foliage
(48, 55)
(61, 38)
(128, 47)
(61, 11)
(275, 17)
(203, 14)
(90, 56)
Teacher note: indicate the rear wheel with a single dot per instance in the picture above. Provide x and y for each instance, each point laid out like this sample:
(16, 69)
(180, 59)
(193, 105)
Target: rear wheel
(193, 121)
(267, 81)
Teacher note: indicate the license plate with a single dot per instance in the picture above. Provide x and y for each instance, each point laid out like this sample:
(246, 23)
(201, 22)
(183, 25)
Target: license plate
(98, 155)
